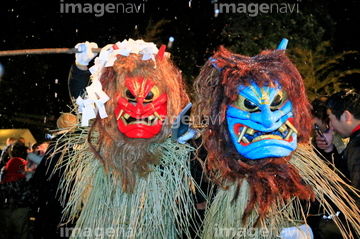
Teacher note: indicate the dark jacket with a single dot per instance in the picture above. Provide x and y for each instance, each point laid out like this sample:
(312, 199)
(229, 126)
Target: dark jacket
(78, 80)
(16, 149)
(47, 178)
(18, 193)
(351, 161)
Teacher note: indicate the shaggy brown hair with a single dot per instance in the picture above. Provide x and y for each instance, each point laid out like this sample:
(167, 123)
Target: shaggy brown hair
(217, 87)
(126, 157)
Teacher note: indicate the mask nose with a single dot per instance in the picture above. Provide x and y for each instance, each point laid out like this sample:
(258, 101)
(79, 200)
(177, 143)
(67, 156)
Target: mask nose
(268, 117)
(139, 107)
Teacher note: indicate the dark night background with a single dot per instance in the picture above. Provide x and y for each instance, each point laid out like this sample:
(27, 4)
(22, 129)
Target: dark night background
(31, 98)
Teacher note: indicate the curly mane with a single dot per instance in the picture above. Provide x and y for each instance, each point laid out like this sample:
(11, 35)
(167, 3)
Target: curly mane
(216, 87)
(126, 157)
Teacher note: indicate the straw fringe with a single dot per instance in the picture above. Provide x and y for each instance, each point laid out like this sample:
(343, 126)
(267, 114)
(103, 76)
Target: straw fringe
(328, 187)
(224, 216)
(160, 206)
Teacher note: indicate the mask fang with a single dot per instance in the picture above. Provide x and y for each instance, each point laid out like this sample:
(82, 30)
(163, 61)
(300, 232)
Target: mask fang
(291, 126)
(119, 115)
(241, 134)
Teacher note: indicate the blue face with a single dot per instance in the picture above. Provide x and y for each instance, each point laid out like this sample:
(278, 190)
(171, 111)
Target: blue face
(260, 122)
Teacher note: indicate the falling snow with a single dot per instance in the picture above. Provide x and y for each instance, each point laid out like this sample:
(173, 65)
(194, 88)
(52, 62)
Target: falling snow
(37, 84)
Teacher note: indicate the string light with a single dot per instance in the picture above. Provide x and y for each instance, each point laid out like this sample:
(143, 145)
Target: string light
(171, 40)
(217, 11)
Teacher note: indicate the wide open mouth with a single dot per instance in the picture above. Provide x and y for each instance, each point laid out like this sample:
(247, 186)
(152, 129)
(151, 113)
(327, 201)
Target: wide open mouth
(129, 120)
(247, 135)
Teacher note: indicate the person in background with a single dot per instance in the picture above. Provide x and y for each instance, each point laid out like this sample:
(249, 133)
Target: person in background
(34, 157)
(15, 148)
(48, 209)
(79, 74)
(322, 129)
(22, 139)
(318, 219)
(9, 141)
(343, 110)
(16, 197)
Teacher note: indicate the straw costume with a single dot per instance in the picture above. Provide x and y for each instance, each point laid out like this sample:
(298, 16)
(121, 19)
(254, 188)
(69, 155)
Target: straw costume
(257, 127)
(126, 178)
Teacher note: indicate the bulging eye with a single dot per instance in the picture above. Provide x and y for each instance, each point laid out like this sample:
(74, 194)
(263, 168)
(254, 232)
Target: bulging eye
(250, 105)
(245, 104)
(153, 94)
(130, 96)
(149, 96)
(278, 100)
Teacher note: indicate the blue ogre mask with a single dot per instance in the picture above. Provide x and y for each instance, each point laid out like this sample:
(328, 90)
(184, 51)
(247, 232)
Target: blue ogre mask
(260, 122)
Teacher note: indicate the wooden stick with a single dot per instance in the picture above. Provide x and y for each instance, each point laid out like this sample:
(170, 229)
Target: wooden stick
(44, 51)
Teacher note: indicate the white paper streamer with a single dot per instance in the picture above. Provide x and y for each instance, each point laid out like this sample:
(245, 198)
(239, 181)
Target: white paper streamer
(86, 108)
(96, 98)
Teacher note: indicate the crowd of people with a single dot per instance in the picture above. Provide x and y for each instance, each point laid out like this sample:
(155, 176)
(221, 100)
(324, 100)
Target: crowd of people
(29, 207)
(30, 176)
(338, 140)
(336, 121)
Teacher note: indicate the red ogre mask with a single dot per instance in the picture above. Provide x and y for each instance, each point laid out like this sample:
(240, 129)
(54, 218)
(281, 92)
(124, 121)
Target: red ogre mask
(141, 111)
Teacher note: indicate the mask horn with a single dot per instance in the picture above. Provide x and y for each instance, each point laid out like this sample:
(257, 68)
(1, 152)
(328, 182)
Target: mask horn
(283, 44)
(161, 52)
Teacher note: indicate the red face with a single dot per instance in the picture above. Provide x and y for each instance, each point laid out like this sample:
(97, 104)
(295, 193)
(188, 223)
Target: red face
(141, 113)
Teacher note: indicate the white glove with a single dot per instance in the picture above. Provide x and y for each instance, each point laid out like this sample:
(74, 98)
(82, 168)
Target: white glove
(85, 55)
(301, 232)
(191, 133)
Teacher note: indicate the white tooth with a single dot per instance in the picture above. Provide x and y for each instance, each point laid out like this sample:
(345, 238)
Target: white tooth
(282, 128)
(126, 116)
(267, 137)
(151, 117)
(250, 131)
(140, 122)
(124, 121)
(245, 140)
(289, 134)
(155, 121)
